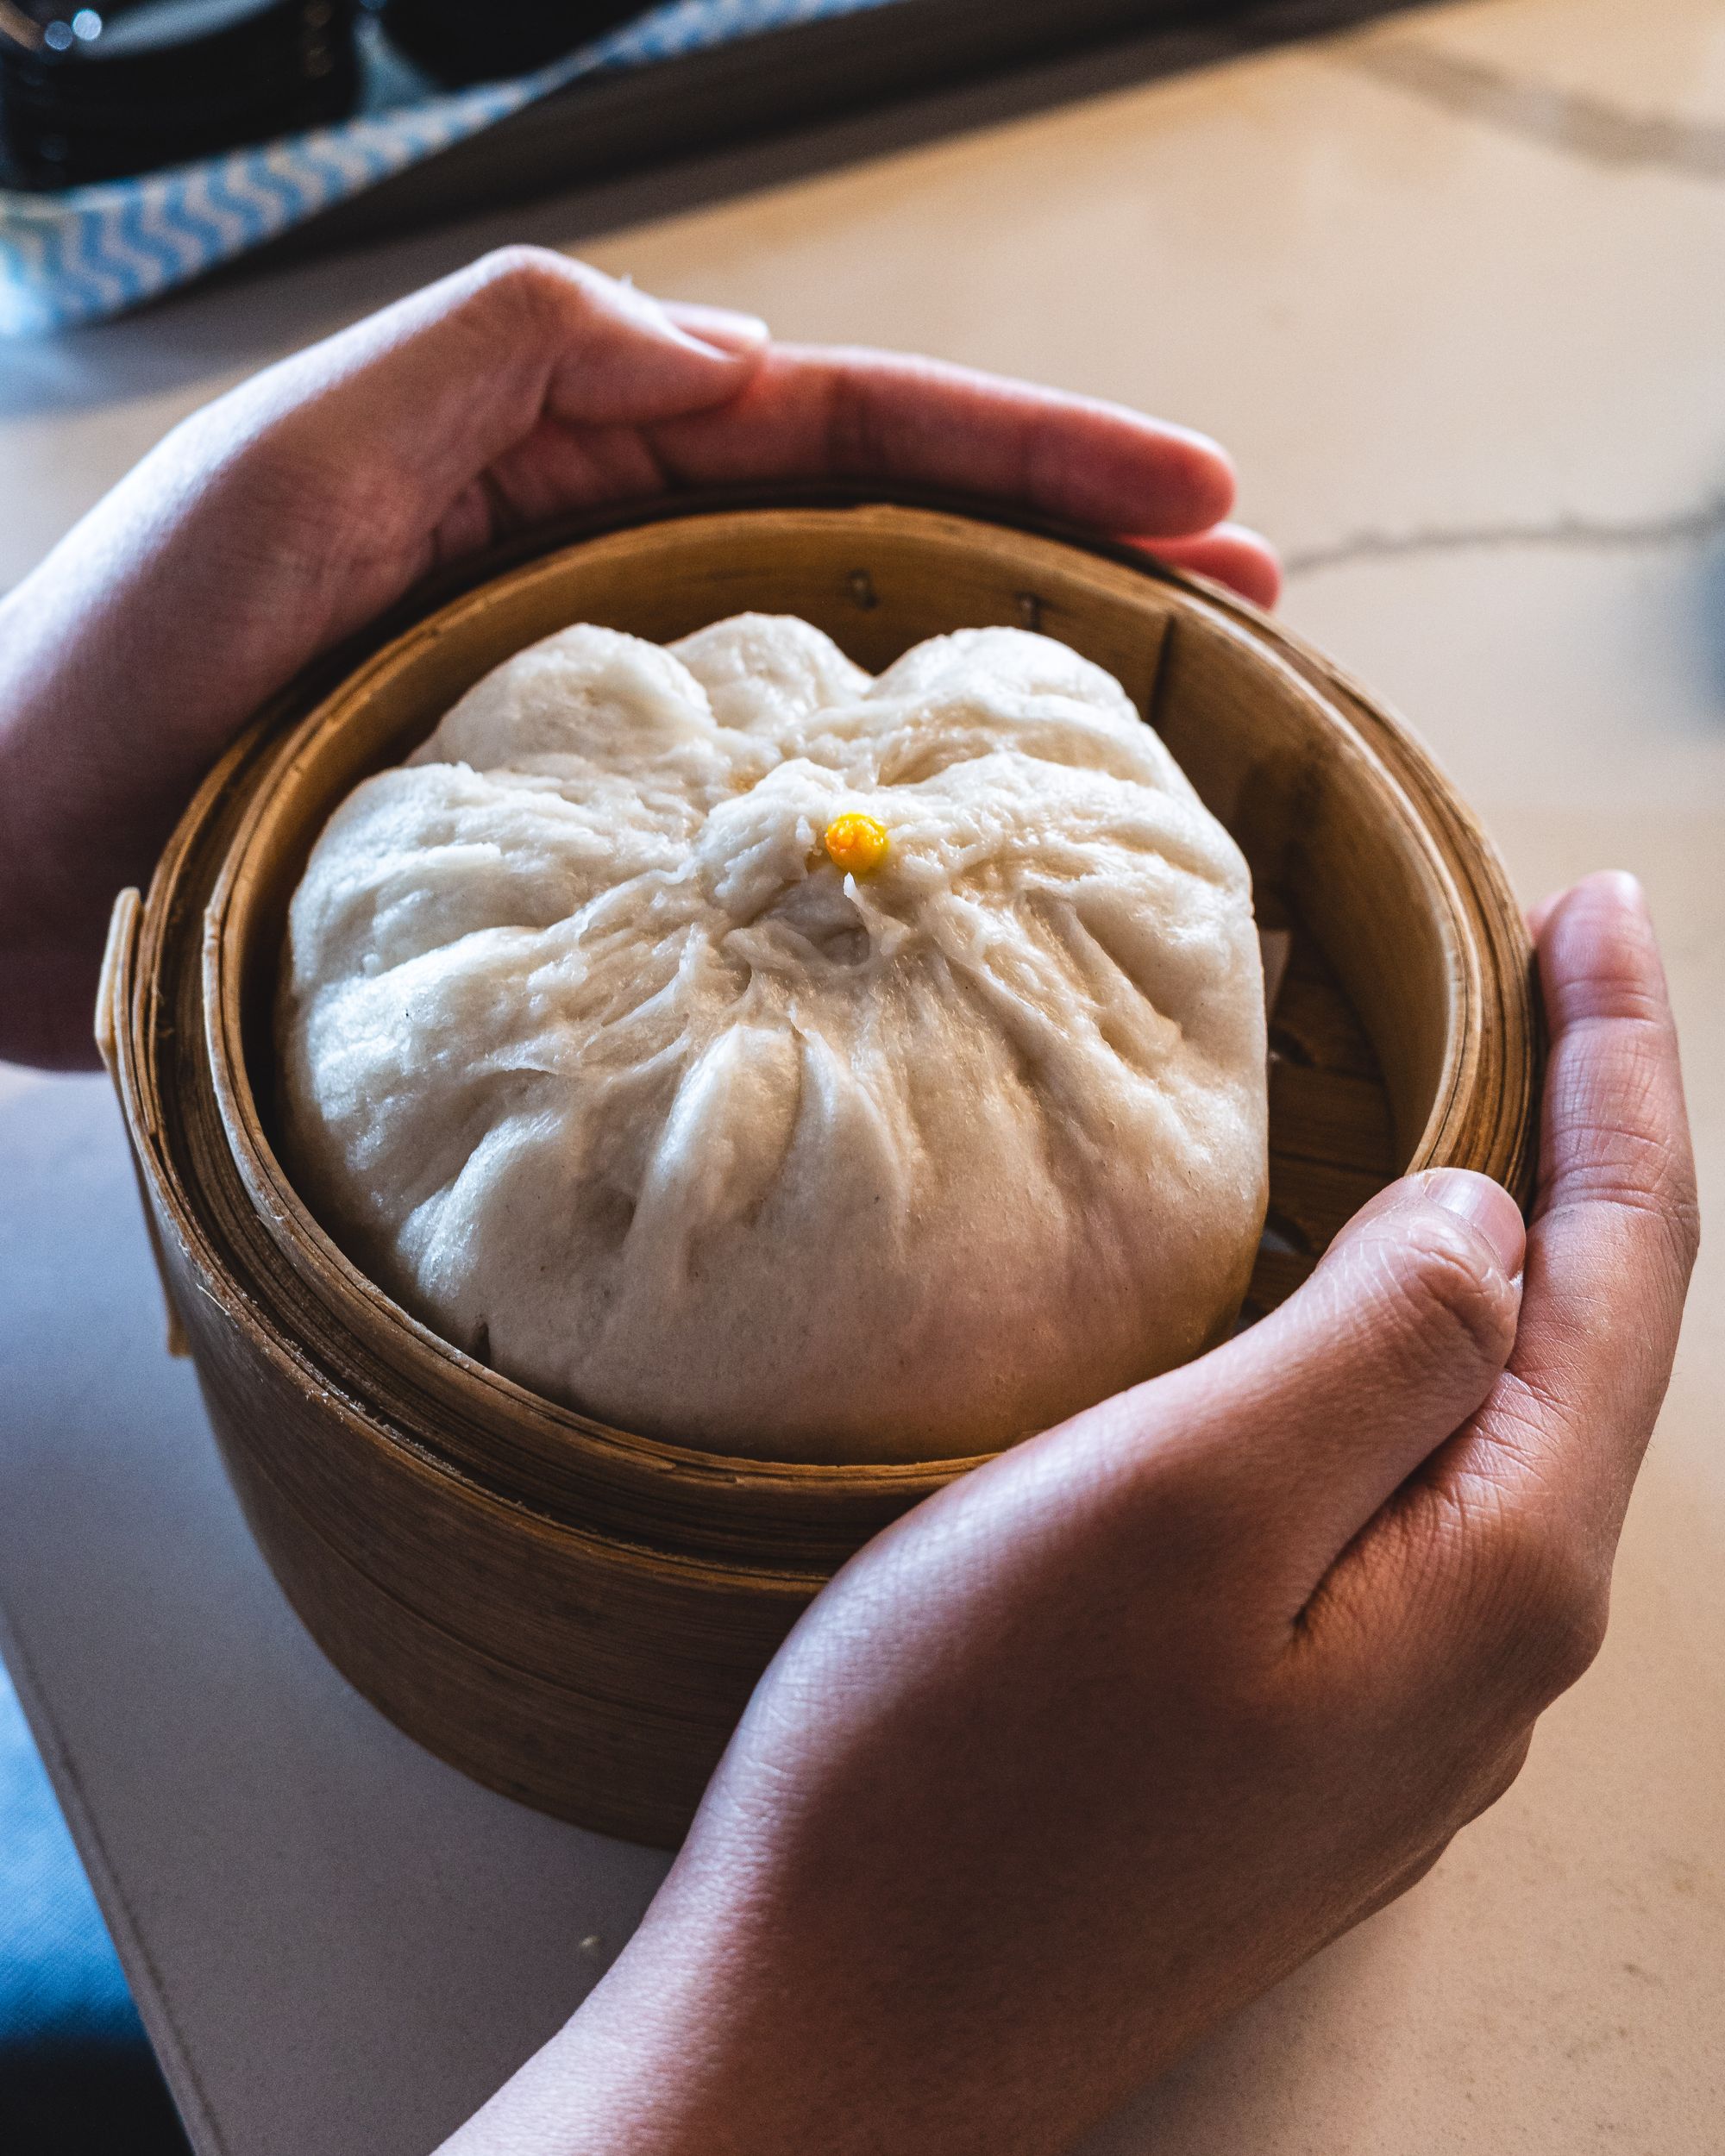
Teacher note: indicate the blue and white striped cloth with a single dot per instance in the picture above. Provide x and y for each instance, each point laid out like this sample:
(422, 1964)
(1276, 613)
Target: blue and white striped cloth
(90, 251)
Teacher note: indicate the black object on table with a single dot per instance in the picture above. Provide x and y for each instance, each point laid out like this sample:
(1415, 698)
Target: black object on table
(90, 92)
(479, 41)
(960, 62)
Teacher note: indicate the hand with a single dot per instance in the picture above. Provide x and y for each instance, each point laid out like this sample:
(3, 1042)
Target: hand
(1097, 1744)
(289, 514)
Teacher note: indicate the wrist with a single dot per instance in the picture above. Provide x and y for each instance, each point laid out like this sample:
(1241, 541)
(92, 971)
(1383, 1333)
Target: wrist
(725, 2029)
(669, 2055)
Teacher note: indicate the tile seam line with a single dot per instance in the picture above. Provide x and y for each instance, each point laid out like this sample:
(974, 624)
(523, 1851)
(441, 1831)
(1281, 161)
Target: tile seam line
(1571, 124)
(1683, 526)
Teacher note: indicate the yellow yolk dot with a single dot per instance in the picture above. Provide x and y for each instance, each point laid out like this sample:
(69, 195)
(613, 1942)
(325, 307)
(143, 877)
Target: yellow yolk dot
(856, 844)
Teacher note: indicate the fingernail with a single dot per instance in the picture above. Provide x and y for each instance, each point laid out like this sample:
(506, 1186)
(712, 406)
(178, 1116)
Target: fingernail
(750, 326)
(1625, 888)
(1486, 1207)
(724, 327)
(697, 337)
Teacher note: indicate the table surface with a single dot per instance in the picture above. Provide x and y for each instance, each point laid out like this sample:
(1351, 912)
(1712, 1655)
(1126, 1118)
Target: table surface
(1450, 290)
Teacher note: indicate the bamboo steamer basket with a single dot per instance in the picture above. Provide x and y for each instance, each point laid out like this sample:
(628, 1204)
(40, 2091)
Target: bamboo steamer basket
(572, 1614)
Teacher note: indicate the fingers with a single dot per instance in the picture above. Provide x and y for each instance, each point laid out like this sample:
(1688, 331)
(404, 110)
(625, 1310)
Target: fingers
(1232, 555)
(432, 390)
(1289, 1439)
(810, 411)
(531, 384)
(625, 359)
(1397, 1337)
(1613, 1241)
(1499, 1554)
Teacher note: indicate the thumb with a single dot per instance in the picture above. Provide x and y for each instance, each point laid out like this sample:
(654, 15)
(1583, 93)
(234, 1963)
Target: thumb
(1393, 1342)
(428, 393)
(1295, 1433)
(628, 359)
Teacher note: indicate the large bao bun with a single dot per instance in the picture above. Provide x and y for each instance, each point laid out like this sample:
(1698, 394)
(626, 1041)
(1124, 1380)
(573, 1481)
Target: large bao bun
(598, 1062)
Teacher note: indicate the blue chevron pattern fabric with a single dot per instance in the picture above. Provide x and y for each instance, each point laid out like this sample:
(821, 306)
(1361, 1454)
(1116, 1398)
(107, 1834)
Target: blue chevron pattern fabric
(89, 252)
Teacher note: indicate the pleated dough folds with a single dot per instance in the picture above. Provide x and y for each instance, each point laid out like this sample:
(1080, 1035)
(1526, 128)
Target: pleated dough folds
(595, 1060)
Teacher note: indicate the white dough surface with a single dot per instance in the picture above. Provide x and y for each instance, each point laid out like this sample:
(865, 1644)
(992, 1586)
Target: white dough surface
(597, 1063)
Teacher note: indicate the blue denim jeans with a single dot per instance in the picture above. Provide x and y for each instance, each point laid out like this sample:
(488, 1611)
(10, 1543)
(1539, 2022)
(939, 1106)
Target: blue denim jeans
(76, 2075)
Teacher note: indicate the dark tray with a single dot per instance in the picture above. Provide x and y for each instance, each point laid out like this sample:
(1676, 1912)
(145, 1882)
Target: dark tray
(915, 69)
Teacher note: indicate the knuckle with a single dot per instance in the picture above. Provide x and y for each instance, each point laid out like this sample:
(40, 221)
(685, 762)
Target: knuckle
(1625, 1139)
(1573, 1637)
(1502, 1775)
(1641, 1171)
(1689, 1231)
(533, 278)
(1556, 1602)
(1445, 1294)
(1682, 1212)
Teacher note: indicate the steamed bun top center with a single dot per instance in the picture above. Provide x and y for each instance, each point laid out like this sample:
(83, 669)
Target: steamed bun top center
(764, 1055)
(778, 774)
